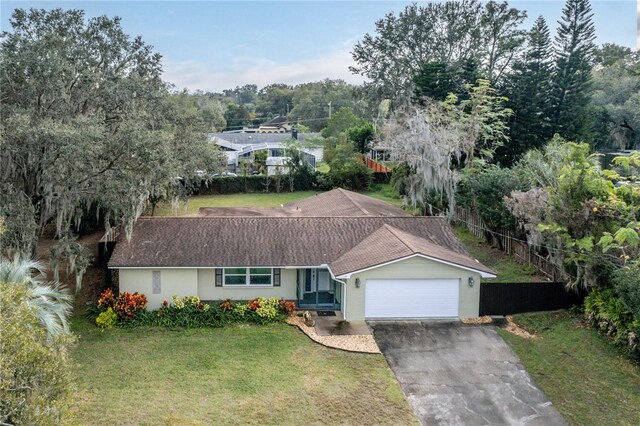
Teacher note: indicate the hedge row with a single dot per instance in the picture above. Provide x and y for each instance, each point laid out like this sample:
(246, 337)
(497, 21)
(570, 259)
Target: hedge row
(261, 183)
(258, 183)
(129, 310)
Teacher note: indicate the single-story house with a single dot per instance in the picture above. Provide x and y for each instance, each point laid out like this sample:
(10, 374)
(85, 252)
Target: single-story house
(242, 145)
(338, 250)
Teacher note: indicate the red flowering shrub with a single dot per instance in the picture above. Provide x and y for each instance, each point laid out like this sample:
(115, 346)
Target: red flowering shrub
(126, 305)
(226, 305)
(254, 304)
(286, 307)
(107, 300)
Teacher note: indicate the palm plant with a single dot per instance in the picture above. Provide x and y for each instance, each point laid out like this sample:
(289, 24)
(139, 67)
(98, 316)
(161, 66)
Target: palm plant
(50, 300)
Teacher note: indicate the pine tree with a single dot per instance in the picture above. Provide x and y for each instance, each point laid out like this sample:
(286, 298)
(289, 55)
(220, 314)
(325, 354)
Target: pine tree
(574, 49)
(528, 92)
(435, 80)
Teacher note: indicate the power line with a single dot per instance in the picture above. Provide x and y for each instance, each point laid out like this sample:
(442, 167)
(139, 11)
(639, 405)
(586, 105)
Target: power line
(307, 120)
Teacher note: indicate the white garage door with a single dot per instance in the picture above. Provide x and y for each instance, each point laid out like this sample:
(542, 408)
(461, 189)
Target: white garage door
(434, 298)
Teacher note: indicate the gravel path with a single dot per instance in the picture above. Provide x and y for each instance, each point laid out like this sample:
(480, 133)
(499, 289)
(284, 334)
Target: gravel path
(358, 343)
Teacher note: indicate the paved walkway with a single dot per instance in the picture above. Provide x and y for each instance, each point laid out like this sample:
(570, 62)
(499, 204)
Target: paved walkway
(336, 326)
(456, 374)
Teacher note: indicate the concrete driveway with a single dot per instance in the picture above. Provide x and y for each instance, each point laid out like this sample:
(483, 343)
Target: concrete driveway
(456, 374)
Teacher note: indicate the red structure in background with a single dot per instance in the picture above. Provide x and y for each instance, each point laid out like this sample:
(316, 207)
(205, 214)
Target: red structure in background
(375, 166)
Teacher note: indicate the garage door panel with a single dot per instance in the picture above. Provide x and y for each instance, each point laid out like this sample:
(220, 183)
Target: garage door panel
(428, 298)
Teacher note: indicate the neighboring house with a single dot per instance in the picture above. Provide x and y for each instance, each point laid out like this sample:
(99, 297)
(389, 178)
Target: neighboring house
(338, 250)
(279, 124)
(380, 152)
(238, 146)
(277, 165)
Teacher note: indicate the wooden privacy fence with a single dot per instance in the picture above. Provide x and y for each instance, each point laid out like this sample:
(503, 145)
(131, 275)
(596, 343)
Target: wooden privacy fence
(515, 298)
(375, 166)
(505, 240)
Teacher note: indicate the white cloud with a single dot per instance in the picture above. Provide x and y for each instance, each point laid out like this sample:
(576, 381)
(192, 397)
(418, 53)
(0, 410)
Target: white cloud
(196, 75)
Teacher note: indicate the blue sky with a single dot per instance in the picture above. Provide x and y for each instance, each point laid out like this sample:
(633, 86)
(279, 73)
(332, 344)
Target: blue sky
(211, 45)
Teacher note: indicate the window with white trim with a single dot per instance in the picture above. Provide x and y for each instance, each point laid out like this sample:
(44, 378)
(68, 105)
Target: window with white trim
(247, 276)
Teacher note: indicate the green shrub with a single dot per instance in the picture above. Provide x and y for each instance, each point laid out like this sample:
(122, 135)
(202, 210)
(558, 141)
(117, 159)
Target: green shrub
(190, 312)
(610, 315)
(125, 305)
(348, 169)
(302, 181)
(268, 308)
(178, 303)
(241, 309)
(107, 319)
(626, 283)
(35, 372)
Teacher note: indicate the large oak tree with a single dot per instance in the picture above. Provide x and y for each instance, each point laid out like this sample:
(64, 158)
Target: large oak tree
(87, 127)
(453, 33)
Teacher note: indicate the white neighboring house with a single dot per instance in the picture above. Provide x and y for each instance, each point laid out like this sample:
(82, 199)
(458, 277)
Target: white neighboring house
(279, 124)
(242, 145)
(277, 165)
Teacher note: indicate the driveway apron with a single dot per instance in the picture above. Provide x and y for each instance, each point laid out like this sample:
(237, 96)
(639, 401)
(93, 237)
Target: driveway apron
(457, 374)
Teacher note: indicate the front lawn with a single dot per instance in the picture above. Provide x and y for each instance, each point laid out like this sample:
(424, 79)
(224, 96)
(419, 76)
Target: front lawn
(588, 380)
(233, 375)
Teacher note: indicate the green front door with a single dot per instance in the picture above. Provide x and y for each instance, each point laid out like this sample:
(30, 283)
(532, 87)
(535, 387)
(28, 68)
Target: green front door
(317, 290)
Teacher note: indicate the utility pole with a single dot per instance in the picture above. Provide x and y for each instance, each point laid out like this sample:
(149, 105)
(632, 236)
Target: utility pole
(329, 110)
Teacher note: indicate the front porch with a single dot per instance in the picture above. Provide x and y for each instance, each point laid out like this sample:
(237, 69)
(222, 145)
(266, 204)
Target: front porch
(316, 290)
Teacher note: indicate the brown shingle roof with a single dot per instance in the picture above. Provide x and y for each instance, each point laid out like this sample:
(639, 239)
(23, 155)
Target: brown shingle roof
(243, 211)
(340, 202)
(387, 244)
(266, 241)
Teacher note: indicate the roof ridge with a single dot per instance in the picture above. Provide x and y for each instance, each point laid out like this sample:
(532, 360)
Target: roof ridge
(203, 217)
(399, 237)
(347, 194)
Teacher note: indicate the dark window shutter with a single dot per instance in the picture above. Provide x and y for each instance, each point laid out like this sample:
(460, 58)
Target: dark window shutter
(276, 277)
(218, 277)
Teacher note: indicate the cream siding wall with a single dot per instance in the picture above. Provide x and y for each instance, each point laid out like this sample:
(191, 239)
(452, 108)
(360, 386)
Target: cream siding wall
(201, 282)
(208, 291)
(416, 268)
(183, 282)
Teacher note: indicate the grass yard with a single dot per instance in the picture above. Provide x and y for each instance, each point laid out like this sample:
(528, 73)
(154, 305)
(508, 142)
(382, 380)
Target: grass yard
(588, 380)
(254, 199)
(234, 375)
(261, 199)
(384, 192)
(508, 269)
